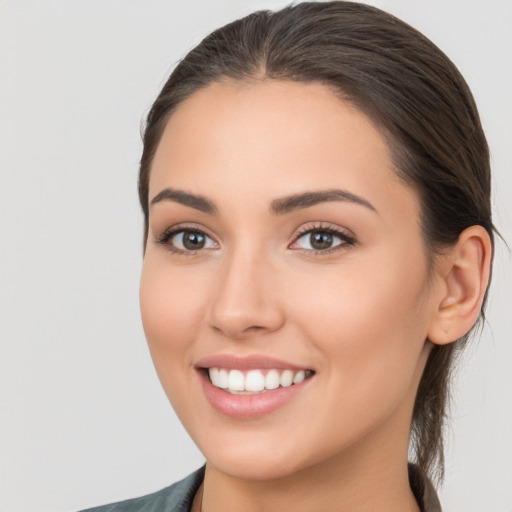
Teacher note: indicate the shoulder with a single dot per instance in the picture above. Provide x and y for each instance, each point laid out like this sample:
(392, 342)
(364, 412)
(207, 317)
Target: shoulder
(177, 497)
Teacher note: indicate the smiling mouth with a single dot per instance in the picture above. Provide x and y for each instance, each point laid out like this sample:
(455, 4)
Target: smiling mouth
(255, 381)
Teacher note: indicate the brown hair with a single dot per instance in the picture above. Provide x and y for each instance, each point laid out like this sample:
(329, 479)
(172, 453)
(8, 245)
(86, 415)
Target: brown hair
(410, 90)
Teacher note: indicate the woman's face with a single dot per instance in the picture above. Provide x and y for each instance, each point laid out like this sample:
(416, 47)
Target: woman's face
(284, 248)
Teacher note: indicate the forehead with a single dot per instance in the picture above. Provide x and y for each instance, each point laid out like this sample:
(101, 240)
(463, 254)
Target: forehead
(275, 138)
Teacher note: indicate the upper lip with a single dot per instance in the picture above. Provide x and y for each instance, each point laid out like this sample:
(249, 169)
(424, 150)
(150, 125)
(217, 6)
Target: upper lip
(255, 361)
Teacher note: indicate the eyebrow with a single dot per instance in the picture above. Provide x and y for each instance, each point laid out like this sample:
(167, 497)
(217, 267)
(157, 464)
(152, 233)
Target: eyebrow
(279, 206)
(179, 196)
(305, 200)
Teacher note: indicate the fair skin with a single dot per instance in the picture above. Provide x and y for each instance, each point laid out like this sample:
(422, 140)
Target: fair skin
(351, 308)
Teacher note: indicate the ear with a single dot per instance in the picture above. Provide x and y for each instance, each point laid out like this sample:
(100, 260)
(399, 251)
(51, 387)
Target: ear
(464, 274)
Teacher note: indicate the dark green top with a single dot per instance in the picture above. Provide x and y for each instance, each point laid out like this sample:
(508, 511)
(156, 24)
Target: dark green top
(179, 496)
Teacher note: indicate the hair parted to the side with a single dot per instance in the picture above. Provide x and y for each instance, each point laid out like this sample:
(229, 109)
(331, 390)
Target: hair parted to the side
(411, 91)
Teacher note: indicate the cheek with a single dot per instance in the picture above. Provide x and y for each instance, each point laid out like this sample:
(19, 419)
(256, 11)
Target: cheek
(171, 310)
(369, 329)
(362, 301)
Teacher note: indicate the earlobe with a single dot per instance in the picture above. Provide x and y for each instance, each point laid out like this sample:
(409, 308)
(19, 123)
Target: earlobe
(465, 276)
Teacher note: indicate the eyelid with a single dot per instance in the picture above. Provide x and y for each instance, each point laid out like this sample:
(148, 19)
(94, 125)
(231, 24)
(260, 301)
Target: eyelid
(347, 237)
(169, 233)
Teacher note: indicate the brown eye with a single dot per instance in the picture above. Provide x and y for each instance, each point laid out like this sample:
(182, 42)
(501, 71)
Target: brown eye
(193, 240)
(187, 240)
(320, 240)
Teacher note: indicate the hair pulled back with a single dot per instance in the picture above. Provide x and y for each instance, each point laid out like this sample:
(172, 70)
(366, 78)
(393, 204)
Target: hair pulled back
(411, 91)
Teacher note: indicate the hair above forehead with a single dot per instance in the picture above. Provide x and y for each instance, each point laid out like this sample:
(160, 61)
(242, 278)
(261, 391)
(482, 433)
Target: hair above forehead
(385, 67)
(411, 91)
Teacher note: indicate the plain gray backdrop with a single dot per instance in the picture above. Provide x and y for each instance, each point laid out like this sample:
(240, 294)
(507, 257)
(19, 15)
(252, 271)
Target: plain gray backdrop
(83, 420)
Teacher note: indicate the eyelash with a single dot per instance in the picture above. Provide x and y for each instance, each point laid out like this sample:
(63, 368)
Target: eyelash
(167, 235)
(346, 240)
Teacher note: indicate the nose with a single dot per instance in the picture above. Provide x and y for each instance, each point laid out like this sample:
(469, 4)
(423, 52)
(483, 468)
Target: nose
(245, 302)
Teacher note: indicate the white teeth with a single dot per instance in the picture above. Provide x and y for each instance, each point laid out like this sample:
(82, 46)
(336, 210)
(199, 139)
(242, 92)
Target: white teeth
(286, 378)
(223, 379)
(236, 381)
(299, 377)
(253, 381)
(219, 378)
(214, 376)
(272, 379)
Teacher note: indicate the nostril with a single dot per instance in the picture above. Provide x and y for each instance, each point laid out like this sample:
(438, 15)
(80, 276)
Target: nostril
(237, 329)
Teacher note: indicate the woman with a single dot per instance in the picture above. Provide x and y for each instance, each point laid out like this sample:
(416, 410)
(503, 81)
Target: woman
(318, 244)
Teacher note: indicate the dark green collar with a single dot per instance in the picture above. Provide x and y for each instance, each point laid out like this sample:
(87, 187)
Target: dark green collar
(180, 496)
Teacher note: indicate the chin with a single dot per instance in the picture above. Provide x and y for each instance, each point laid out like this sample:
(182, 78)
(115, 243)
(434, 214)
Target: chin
(257, 455)
(250, 467)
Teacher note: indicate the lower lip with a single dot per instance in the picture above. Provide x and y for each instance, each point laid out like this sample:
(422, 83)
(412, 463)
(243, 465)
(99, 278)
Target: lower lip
(249, 406)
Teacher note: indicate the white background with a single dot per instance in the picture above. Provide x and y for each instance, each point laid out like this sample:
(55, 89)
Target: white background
(83, 420)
